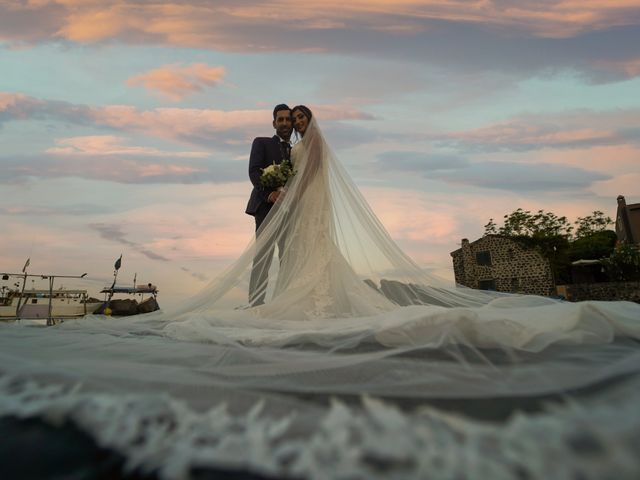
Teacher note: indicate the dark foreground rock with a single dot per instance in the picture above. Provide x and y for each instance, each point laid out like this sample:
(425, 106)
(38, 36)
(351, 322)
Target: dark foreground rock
(33, 449)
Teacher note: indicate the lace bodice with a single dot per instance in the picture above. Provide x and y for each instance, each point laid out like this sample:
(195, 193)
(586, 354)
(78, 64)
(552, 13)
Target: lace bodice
(296, 153)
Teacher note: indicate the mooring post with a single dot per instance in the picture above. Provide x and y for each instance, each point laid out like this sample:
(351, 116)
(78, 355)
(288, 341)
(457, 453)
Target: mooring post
(50, 316)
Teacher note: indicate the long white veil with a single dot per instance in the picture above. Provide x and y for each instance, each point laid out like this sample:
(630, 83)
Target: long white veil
(324, 303)
(323, 270)
(322, 226)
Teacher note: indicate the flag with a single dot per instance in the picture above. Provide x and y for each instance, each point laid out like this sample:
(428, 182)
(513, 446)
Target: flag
(118, 263)
(26, 264)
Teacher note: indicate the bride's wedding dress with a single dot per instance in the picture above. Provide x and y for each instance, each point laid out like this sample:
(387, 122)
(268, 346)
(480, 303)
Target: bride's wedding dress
(339, 279)
(346, 312)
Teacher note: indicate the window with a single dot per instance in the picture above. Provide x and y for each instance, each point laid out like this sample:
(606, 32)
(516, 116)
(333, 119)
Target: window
(483, 258)
(487, 284)
(34, 300)
(515, 284)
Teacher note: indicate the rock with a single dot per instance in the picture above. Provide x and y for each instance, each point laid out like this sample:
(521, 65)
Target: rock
(148, 305)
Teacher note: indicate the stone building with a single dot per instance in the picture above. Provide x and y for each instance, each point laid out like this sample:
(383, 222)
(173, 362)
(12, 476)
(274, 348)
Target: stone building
(499, 263)
(628, 221)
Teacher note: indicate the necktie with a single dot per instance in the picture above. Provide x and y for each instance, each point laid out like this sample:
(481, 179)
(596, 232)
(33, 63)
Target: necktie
(285, 148)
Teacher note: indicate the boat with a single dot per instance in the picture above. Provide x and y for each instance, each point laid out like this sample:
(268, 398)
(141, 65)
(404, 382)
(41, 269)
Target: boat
(55, 305)
(44, 304)
(119, 307)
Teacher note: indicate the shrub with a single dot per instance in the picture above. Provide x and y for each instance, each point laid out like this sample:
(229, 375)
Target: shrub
(623, 265)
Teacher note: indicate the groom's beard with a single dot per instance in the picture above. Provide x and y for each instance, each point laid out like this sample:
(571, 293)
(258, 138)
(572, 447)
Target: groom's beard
(284, 133)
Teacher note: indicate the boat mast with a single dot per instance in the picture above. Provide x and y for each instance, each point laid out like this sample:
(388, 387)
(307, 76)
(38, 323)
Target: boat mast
(24, 284)
(116, 267)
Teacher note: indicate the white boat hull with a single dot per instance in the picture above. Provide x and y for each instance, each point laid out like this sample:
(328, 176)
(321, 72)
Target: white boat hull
(61, 308)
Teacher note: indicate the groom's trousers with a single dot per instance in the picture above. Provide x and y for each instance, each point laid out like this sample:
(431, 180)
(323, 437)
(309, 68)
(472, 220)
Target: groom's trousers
(262, 261)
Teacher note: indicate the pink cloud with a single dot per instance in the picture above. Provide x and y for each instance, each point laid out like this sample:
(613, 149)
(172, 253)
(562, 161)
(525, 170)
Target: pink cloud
(110, 158)
(573, 129)
(611, 159)
(627, 68)
(175, 82)
(207, 223)
(625, 184)
(330, 112)
(230, 25)
(121, 170)
(516, 135)
(18, 106)
(409, 215)
(173, 122)
(185, 124)
(9, 99)
(111, 145)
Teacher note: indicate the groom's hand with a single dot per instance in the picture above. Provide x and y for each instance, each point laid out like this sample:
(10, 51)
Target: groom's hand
(273, 196)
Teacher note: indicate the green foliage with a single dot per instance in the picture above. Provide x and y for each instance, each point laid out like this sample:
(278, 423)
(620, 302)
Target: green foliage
(552, 236)
(523, 223)
(623, 264)
(597, 245)
(490, 228)
(592, 224)
(543, 224)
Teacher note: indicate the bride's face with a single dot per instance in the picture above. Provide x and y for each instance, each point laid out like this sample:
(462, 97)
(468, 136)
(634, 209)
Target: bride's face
(300, 121)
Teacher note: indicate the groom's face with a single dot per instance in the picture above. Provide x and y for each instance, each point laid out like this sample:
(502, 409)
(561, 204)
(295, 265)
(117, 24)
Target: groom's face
(283, 124)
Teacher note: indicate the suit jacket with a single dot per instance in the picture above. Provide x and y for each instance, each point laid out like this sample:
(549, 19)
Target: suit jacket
(264, 152)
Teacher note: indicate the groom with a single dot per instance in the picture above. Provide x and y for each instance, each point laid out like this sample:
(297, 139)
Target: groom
(266, 151)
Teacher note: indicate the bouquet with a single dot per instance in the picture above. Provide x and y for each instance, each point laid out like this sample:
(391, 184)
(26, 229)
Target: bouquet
(275, 176)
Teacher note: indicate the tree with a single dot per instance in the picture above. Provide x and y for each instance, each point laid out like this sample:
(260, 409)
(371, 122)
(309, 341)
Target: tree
(548, 224)
(596, 246)
(591, 224)
(490, 228)
(623, 264)
(592, 239)
(523, 223)
(552, 236)
(544, 231)
(516, 223)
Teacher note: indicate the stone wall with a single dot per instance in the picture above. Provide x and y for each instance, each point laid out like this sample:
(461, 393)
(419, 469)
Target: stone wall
(578, 292)
(512, 266)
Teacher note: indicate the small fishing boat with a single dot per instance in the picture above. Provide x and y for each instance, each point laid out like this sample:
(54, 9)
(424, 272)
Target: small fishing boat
(47, 306)
(128, 306)
(51, 306)
(44, 304)
(122, 307)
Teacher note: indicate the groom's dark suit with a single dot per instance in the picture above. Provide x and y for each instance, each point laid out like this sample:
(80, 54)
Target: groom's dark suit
(264, 152)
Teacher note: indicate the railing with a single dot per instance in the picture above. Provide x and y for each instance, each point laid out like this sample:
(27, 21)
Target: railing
(51, 279)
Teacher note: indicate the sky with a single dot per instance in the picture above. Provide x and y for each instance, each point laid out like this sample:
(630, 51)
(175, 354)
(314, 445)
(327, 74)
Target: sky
(125, 126)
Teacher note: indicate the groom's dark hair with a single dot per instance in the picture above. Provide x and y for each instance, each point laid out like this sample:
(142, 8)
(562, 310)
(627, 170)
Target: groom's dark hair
(282, 106)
